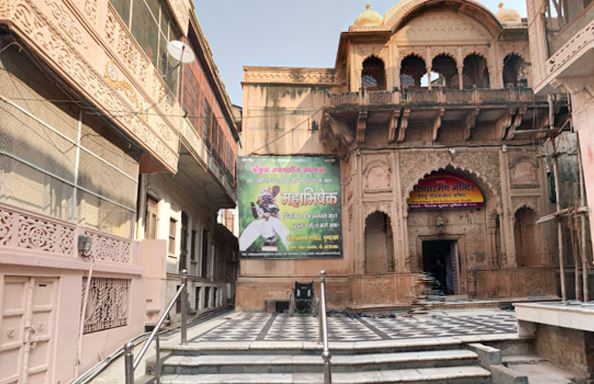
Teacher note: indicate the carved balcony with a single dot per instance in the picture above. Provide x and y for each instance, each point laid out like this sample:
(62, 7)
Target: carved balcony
(29, 237)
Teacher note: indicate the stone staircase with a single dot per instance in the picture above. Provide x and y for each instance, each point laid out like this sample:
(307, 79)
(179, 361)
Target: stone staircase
(353, 363)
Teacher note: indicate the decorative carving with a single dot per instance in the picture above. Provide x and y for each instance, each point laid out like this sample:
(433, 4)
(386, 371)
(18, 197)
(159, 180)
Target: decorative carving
(523, 173)
(442, 26)
(109, 249)
(571, 49)
(516, 122)
(403, 125)
(393, 126)
(361, 126)
(377, 176)
(289, 76)
(503, 123)
(91, 10)
(24, 230)
(484, 165)
(107, 304)
(51, 41)
(436, 125)
(470, 123)
(66, 23)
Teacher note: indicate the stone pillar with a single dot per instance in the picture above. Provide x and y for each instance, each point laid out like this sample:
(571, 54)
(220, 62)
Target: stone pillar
(507, 218)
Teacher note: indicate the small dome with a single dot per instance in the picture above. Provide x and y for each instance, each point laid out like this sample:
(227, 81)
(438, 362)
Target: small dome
(508, 15)
(368, 18)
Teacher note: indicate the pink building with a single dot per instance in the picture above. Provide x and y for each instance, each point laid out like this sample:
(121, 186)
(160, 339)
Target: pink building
(113, 166)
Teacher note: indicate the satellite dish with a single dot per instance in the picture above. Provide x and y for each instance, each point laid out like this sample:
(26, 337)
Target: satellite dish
(180, 52)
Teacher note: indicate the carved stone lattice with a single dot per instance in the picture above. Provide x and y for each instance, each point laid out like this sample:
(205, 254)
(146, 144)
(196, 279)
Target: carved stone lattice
(107, 304)
(5, 225)
(23, 230)
(109, 249)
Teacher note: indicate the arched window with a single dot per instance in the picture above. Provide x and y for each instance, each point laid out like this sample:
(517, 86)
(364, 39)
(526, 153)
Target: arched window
(445, 67)
(373, 76)
(514, 71)
(412, 69)
(475, 72)
(379, 244)
(525, 236)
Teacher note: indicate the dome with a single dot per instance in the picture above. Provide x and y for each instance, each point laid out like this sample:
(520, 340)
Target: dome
(368, 18)
(508, 15)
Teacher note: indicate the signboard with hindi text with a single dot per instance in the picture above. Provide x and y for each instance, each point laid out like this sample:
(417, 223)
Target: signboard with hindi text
(442, 190)
(289, 207)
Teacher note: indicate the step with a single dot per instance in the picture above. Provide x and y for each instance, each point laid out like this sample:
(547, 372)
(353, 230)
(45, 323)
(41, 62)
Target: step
(258, 363)
(444, 375)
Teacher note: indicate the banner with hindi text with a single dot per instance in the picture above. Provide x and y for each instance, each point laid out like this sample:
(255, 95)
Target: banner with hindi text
(289, 207)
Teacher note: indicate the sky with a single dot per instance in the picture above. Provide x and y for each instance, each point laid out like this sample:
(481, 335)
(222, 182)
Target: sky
(284, 33)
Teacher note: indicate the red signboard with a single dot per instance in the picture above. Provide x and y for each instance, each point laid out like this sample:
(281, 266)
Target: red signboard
(443, 190)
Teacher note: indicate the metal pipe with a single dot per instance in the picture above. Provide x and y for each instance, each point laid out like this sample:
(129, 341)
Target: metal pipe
(157, 359)
(326, 356)
(157, 328)
(129, 362)
(184, 307)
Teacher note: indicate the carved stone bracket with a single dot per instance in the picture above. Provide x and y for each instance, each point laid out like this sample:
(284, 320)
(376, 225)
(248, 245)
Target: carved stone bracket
(517, 121)
(393, 126)
(470, 123)
(504, 122)
(436, 124)
(361, 126)
(403, 125)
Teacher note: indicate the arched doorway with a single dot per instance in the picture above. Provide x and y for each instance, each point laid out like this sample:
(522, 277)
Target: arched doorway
(445, 66)
(514, 71)
(373, 75)
(475, 72)
(379, 244)
(525, 237)
(450, 227)
(412, 69)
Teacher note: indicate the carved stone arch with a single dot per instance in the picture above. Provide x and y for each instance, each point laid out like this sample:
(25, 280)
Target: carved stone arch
(484, 184)
(445, 51)
(399, 15)
(418, 52)
(523, 205)
(527, 236)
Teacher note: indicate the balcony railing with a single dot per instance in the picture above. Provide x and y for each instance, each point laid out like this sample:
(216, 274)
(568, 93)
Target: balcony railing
(434, 96)
(31, 232)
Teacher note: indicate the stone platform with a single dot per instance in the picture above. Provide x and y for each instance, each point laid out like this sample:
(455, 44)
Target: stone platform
(344, 328)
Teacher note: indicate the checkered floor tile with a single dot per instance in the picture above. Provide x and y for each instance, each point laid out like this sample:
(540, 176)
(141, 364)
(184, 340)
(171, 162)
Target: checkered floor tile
(262, 326)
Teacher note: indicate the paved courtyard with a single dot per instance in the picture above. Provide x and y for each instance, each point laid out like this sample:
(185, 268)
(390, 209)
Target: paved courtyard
(341, 328)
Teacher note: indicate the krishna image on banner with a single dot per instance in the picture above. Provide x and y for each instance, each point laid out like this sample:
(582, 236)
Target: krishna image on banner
(289, 207)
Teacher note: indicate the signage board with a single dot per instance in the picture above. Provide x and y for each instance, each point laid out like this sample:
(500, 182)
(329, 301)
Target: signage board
(289, 207)
(442, 190)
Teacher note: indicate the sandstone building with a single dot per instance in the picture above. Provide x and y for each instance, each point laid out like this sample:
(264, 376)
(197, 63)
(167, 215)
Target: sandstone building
(431, 90)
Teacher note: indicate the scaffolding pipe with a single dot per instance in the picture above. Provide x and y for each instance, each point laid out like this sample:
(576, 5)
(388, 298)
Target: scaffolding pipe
(583, 222)
(557, 198)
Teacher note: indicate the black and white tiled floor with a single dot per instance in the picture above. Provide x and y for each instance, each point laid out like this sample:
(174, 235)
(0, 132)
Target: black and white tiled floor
(273, 327)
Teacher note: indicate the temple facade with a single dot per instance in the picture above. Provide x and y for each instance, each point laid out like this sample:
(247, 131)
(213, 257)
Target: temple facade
(430, 111)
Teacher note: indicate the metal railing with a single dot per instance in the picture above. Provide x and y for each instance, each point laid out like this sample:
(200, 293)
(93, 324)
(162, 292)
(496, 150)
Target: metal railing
(326, 356)
(132, 363)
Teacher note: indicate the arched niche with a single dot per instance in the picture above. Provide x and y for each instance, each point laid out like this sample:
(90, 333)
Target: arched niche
(445, 66)
(515, 71)
(379, 244)
(476, 72)
(412, 69)
(526, 238)
(373, 74)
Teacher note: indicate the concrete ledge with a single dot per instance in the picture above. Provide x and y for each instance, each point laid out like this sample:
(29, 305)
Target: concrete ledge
(504, 375)
(574, 316)
(488, 356)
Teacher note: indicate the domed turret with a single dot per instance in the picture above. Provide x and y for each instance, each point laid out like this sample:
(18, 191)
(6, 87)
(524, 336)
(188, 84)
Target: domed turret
(368, 19)
(508, 15)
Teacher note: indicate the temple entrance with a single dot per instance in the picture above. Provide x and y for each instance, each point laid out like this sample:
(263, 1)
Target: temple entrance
(440, 259)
